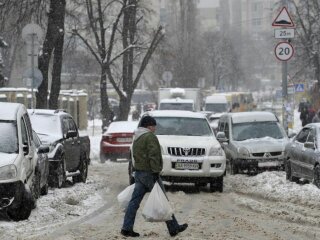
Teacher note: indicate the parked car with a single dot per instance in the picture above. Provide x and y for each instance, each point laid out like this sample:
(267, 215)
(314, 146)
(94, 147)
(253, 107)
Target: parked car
(214, 121)
(69, 152)
(18, 162)
(42, 167)
(115, 142)
(303, 155)
(253, 141)
(190, 151)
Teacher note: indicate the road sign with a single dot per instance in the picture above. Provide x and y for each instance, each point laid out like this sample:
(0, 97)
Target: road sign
(167, 76)
(35, 74)
(32, 29)
(299, 87)
(283, 19)
(284, 33)
(284, 51)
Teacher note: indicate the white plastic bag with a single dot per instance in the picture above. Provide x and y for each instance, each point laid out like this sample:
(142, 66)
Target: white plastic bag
(157, 207)
(125, 196)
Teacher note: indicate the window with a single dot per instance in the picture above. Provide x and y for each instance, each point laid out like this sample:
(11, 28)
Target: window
(302, 136)
(24, 133)
(9, 140)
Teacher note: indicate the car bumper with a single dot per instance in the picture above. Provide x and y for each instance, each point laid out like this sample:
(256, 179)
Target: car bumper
(209, 167)
(250, 164)
(115, 149)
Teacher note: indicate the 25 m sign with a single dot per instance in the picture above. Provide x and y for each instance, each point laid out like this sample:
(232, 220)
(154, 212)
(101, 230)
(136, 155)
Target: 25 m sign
(284, 51)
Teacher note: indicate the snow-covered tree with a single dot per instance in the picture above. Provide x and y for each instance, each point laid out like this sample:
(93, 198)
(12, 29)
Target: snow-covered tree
(3, 44)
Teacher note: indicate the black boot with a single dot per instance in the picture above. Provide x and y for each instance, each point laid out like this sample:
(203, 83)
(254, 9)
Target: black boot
(129, 233)
(181, 228)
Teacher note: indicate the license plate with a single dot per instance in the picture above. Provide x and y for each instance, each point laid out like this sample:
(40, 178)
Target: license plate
(192, 166)
(122, 140)
(269, 164)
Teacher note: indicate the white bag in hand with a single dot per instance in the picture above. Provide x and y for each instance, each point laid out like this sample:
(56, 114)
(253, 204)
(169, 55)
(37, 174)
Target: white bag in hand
(157, 207)
(125, 196)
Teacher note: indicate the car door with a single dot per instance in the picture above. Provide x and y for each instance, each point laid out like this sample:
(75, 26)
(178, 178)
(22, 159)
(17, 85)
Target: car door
(309, 156)
(68, 144)
(28, 149)
(75, 143)
(297, 150)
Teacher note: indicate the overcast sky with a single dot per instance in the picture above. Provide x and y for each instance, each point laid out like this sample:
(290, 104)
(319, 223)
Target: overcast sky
(208, 3)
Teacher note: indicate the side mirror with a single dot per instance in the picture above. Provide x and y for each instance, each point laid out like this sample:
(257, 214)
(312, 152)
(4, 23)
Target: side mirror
(309, 145)
(221, 137)
(71, 134)
(43, 149)
(292, 134)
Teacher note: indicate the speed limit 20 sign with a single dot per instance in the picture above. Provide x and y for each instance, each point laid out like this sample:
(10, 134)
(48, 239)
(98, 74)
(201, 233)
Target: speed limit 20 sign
(284, 51)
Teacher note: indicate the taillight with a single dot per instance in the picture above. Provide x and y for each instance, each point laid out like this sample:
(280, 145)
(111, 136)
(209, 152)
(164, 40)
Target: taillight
(121, 138)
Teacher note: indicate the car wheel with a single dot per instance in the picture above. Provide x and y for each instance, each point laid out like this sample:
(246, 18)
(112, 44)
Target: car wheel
(58, 177)
(316, 176)
(233, 168)
(83, 172)
(44, 189)
(23, 209)
(288, 169)
(130, 171)
(102, 158)
(36, 185)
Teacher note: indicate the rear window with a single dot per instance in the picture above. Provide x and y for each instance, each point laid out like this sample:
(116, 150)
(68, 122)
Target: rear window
(182, 126)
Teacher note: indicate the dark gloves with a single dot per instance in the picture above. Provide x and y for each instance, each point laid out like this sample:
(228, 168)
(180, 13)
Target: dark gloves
(155, 176)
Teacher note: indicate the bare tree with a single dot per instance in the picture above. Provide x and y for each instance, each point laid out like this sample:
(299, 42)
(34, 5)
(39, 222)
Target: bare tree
(119, 56)
(53, 43)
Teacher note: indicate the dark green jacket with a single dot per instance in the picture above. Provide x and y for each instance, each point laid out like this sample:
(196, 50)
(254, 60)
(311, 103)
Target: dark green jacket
(146, 151)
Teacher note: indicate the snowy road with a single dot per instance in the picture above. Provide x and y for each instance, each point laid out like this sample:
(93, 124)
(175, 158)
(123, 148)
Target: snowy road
(265, 206)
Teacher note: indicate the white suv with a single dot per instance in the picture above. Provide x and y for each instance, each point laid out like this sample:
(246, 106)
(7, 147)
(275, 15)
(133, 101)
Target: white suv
(190, 151)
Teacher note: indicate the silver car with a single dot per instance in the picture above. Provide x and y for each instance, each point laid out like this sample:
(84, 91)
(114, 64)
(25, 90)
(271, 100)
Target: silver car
(252, 141)
(303, 155)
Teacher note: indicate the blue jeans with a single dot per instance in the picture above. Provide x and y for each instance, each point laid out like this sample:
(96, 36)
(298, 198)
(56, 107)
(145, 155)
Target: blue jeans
(144, 182)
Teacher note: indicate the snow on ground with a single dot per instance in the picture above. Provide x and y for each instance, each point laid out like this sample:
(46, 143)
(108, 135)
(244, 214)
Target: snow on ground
(74, 202)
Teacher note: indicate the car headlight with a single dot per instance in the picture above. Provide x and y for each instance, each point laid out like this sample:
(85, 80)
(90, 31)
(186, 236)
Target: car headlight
(216, 151)
(243, 152)
(8, 172)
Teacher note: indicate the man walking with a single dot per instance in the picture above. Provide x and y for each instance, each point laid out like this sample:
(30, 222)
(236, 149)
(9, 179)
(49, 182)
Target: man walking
(148, 165)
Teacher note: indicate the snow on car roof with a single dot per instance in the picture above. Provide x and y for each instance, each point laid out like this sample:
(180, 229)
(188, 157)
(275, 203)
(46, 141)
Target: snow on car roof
(8, 111)
(175, 113)
(122, 126)
(47, 111)
(240, 117)
(175, 100)
(216, 99)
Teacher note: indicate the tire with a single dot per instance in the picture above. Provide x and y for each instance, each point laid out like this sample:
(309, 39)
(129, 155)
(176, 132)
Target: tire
(58, 177)
(102, 158)
(44, 189)
(233, 168)
(130, 170)
(23, 210)
(316, 176)
(36, 185)
(82, 177)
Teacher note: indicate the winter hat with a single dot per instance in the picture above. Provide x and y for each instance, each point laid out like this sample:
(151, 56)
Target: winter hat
(147, 121)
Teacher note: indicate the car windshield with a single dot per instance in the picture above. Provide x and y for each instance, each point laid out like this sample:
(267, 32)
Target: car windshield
(9, 139)
(249, 130)
(217, 107)
(182, 126)
(176, 106)
(45, 124)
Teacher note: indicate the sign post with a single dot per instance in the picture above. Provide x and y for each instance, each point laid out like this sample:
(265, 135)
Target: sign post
(32, 34)
(284, 52)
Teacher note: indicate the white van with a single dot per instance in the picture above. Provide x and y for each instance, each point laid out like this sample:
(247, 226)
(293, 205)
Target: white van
(17, 161)
(216, 103)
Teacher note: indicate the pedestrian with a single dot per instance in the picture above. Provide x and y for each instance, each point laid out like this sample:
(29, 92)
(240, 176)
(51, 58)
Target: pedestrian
(148, 164)
(304, 116)
(316, 117)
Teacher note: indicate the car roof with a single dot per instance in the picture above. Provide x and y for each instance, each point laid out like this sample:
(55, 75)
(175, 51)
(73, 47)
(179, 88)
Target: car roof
(255, 116)
(122, 127)
(176, 100)
(175, 113)
(8, 111)
(57, 112)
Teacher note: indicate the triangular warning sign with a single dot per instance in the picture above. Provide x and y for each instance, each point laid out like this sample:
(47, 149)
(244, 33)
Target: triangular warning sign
(283, 19)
